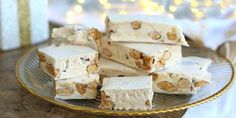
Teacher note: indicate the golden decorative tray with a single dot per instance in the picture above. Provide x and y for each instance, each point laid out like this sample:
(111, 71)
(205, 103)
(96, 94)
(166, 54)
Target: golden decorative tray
(39, 84)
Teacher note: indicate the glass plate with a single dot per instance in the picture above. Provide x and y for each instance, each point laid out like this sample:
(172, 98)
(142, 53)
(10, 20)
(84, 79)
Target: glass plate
(39, 84)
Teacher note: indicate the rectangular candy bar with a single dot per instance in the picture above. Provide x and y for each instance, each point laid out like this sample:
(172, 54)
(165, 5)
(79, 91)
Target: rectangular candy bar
(66, 61)
(129, 93)
(113, 69)
(144, 28)
(76, 35)
(81, 87)
(143, 56)
(186, 77)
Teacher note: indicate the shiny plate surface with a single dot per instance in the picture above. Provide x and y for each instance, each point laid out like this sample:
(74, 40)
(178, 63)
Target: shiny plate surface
(39, 84)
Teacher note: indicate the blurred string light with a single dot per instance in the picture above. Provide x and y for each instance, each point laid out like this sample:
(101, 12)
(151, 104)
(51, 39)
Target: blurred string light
(78, 8)
(151, 7)
(194, 3)
(197, 7)
(208, 3)
(122, 12)
(178, 2)
(81, 1)
(172, 8)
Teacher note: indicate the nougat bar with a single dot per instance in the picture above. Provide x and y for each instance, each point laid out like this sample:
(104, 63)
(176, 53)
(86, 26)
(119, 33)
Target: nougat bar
(184, 78)
(129, 93)
(144, 28)
(76, 35)
(80, 87)
(143, 56)
(187, 77)
(66, 61)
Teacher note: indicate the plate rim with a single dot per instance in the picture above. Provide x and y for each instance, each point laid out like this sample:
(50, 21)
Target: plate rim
(123, 113)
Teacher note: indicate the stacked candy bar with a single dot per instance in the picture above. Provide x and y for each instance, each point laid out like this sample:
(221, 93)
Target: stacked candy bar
(140, 55)
(186, 77)
(138, 46)
(71, 63)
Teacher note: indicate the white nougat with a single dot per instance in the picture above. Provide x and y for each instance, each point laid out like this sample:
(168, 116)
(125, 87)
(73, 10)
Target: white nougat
(129, 93)
(143, 56)
(66, 61)
(81, 87)
(187, 77)
(76, 35)
(144, 28)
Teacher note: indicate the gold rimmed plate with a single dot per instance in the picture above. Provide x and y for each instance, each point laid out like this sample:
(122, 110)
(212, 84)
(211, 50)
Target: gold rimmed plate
(39, 84)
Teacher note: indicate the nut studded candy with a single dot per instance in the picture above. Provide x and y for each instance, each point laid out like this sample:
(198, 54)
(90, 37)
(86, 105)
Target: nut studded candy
(184, 78)
(187, 77)
(144, 28)
(76, 35)
(113, 69)
(67, 61)
(129, 93)
(143, 56)
(81, 87)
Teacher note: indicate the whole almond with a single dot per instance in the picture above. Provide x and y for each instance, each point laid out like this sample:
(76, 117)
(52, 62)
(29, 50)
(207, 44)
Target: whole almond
(167, 86)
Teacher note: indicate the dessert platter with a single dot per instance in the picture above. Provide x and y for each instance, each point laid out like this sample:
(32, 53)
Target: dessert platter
(140, 65)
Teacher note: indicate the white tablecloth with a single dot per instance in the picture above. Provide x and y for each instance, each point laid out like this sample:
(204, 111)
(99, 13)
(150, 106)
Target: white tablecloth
(222, 107)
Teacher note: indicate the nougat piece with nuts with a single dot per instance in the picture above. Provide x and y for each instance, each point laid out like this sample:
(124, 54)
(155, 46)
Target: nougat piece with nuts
(66, 61)
(147, 57)
(80, 87)
(128, 93)
(187, 77)
(144, 28)
(76, 35)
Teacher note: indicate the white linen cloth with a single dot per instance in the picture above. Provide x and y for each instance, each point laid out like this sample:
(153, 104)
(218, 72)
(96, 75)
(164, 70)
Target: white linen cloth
(211, 33)
(222, 107)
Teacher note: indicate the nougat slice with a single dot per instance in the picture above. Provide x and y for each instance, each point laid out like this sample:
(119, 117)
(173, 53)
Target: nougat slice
(80, 87)
(143, 56)
(144, 28)
(187, 77)
(76, 35)
(129, 93)
(66, 61)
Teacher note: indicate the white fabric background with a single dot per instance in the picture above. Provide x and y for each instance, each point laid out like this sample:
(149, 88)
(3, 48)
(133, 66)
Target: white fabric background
(222, 107)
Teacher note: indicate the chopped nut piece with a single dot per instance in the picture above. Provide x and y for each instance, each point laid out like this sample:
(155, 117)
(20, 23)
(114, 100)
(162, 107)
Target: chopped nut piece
(155, 35)
(81, 88)
(146, 67)
(148, 103)
(101, 77)
(41, 56)
(92, 68)
(154, 76)
(52, 70)
(200, 83)
(106, 52)
(143, 65)
(138, 63)
(147, 60)
(160, 63)
(95, 34)
(172, 36)
(92, 85)
(136, 25)
(167, 86)
(166, 55)
(135, 54)
(105, 102)
(184, 83)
